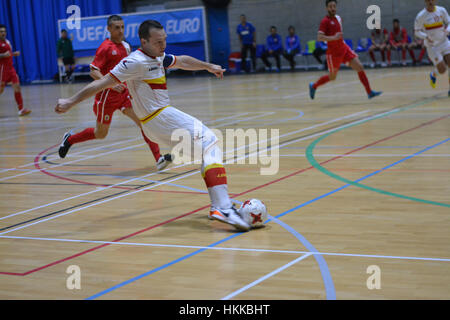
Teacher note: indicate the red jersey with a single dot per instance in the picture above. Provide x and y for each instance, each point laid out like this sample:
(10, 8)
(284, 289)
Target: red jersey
(380, 36)
(329, 27)
(107, 56)
(399, 35)
(5, 46)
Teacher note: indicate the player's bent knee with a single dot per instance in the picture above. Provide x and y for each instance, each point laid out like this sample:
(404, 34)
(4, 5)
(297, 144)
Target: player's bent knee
(333, 76)
(101, 134)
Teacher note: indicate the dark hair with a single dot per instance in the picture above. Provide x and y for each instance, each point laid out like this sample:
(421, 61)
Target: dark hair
(273, 27)
(291, 27)
(113, 18)
(328, 1)
(146, 26)
(2, 26)
(63, 30)
(396, 20)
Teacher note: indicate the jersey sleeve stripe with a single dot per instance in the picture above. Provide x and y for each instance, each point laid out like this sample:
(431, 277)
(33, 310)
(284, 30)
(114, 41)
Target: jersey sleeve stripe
(114, 77)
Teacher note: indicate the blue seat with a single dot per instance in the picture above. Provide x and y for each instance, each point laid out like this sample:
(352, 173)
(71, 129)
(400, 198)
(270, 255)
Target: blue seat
(363, 44)
(349, 42)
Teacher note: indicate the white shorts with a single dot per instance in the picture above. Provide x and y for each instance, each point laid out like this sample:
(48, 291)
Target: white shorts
(437, 53)
(173, 128)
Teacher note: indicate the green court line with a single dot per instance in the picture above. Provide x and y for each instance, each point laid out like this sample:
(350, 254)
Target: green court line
(315, 164)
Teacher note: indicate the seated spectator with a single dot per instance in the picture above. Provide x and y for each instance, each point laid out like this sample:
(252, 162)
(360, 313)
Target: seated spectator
(320, 50)
(292, 47)
(379, 43)
(274, 48)
(417, 43)
(398, 39)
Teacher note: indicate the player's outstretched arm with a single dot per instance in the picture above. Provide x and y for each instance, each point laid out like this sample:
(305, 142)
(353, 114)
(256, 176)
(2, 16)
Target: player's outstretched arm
(192, 64)
(91, 89)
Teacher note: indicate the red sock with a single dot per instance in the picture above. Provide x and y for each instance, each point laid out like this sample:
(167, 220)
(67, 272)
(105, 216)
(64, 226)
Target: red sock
(85, 135)
(214, 175)
(154, 147)
(364, 81)
(19, 100)
(372, 55)
(403, 54)
(411, 52)
(389, 56)
(321, 81)
(383, 56)
(422, 53)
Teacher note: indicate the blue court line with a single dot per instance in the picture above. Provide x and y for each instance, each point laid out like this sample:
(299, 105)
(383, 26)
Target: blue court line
(278, 216)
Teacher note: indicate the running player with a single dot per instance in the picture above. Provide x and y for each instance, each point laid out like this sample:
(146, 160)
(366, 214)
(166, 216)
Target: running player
(338, 52)
(143, 70)
(7, 72)
(110, 52)
(432, 25)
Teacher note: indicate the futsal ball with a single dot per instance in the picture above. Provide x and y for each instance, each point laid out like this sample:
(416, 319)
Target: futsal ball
(254, 212)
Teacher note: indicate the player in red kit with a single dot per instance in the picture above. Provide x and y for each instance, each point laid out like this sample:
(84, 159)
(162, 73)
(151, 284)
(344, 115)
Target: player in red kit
(108, 55)
(7, 72)
(338, 52)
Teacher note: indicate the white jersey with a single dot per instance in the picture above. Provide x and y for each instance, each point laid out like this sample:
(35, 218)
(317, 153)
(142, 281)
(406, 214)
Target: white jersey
(146, 81)
(432, 25)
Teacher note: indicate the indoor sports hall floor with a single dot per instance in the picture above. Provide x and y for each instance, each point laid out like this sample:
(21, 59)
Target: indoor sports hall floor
(360, 183)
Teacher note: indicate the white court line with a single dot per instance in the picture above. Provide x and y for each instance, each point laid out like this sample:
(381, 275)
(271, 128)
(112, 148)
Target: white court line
(162, 245)
(336, 86)
(365, 155)
(77, 153)
(267, 276)
(87, 157)
(125, 182)
(31, 133)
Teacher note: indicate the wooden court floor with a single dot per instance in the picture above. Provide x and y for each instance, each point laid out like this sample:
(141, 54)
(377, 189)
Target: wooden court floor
(358, 185)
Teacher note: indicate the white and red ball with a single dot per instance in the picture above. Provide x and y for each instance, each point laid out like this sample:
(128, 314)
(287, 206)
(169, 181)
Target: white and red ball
(254, 212)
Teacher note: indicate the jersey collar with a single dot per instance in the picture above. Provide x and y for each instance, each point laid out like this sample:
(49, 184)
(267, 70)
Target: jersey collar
(146, 54)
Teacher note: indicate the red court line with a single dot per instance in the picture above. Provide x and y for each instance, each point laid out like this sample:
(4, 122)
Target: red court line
(237, 195)
(37, 165)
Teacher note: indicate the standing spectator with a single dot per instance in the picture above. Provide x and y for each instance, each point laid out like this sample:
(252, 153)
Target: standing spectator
(247, 37)
(379, 42)
(292, 47)
(274, 48)
(65, 51)
(7, 72)
(398, 39)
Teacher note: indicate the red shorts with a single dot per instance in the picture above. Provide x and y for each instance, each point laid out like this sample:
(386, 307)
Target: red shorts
(334, 61)
(8, 75)
(109, 102)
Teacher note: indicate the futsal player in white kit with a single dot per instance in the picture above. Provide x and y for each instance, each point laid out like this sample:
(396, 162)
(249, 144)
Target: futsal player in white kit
(143, 71)
(432, 25)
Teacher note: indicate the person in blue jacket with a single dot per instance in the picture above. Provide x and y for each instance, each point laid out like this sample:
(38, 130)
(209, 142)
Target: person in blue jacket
(274, 48)
(292, 44)
(247, 37)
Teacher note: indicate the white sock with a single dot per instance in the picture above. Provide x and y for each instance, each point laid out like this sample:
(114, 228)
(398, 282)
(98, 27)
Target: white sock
(219, 197)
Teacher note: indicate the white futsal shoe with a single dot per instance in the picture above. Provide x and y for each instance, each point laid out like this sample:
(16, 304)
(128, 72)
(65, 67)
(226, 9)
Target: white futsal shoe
(230, 216)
